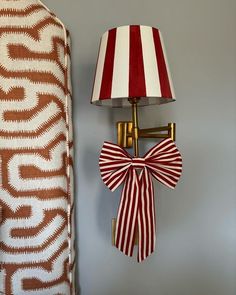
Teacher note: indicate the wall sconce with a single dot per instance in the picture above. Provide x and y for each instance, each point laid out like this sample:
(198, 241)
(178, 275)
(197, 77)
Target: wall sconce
(132, 70)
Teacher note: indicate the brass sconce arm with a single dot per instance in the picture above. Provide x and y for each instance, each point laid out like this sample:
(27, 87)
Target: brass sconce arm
(155, 132)
(125, 133)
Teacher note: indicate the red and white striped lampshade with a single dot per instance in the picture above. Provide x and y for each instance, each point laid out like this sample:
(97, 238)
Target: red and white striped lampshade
(132, 63)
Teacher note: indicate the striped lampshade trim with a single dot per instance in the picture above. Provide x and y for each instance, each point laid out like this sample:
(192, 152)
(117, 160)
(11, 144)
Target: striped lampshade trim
(132, 63)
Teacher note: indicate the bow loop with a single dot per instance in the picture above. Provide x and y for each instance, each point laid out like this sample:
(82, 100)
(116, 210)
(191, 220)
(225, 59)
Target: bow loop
(164, 162)
(114, 163)
(137, 209)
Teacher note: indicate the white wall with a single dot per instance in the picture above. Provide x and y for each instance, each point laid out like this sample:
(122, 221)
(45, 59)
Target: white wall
(195, 252)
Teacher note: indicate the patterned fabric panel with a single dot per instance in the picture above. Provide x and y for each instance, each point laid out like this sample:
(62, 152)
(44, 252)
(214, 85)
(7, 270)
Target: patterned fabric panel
(36, 170)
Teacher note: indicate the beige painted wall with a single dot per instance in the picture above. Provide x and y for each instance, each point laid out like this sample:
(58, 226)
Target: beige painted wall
(196, 249)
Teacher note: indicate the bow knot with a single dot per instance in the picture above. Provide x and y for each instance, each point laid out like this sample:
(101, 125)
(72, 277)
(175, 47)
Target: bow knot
(138, 163)
(137, 208)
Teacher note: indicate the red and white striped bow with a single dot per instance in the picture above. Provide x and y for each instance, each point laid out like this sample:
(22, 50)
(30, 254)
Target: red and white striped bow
(137, 207)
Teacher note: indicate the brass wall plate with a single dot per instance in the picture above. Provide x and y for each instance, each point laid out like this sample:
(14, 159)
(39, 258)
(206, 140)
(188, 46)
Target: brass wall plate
(124, 134)
(113, 233)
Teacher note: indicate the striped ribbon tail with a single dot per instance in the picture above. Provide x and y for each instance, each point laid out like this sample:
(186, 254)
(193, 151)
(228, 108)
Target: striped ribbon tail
(137, 206)
(127, 214)
(146, 217)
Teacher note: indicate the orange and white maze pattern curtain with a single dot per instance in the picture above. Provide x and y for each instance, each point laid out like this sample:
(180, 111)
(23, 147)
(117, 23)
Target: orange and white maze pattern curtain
(36, 189)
